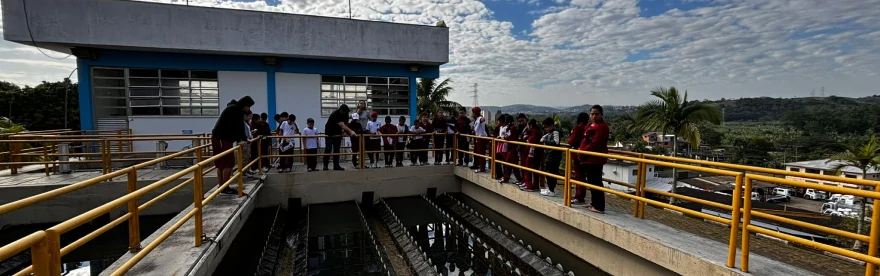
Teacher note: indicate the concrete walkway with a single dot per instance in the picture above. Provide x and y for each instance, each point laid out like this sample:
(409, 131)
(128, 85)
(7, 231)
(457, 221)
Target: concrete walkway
(223, 218)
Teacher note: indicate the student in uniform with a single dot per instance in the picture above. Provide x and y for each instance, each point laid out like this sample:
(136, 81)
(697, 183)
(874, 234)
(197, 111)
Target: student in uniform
(400, 144)
(479, 129)
(355, 126)
(419, 142)
(311, 145)
(511, 133)
(463, 127)
(574, 141)
(388, 141)
(439, 126)
(286, 146)
(531, 180)
(522, 155)
(552, 157)
(374, 143)
(595, 140)
(264, 132)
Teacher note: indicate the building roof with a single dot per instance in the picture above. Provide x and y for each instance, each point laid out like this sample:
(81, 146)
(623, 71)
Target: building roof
(158, 27)
(823, 164)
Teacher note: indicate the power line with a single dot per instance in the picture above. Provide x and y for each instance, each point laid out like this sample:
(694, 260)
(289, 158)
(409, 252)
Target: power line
(27, 23)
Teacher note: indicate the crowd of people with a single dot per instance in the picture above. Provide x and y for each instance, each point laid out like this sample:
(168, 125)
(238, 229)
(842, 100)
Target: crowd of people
(437, 134)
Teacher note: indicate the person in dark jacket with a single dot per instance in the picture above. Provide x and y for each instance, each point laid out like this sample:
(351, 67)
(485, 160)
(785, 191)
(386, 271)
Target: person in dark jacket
(355, 125)
(553, 157)
(439, 126)
(464, 127)
(228, 130)
(264, 132)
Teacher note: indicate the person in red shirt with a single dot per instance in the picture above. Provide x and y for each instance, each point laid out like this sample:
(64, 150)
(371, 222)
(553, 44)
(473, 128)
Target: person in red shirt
(574, 142)
(534, 156)
(595, 140)
(523, 155)
(388, 141)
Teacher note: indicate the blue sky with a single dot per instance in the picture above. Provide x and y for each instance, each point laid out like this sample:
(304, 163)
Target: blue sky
(571, 52)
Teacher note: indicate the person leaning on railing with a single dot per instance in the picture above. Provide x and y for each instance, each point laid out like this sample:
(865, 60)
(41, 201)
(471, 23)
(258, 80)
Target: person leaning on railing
(481, 130)
(228, 130)
(552, 157)
(334, 129)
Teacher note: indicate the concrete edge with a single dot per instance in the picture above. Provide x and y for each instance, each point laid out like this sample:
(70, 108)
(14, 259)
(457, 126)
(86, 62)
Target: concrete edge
(211, 257)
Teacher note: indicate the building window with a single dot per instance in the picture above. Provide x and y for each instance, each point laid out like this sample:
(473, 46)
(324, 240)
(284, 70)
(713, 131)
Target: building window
(650, 169)
(155, 92)
(635, 172)
(387, 96)
(795, 169)
(850, 176)
(812, 171)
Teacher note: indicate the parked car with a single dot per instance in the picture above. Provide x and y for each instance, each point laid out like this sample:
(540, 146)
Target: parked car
(814, 194)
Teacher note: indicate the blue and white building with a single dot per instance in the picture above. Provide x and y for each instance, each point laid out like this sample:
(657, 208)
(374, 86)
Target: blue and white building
(166, 68)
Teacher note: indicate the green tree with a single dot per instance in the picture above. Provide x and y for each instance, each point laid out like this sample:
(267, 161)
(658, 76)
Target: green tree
(432, 95)
(672, 113)
(862, 156)
(41, 107)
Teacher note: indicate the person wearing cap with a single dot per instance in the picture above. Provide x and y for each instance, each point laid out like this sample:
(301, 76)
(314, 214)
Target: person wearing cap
(374, 143)
(479, 129)
(334, 129)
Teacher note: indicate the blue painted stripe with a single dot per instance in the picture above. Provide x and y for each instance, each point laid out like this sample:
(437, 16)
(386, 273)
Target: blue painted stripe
(270, 96)
(86, 111)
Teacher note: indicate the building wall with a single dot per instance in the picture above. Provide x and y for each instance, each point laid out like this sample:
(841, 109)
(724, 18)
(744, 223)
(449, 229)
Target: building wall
(240, 75)
(162, 125)
(135, 24)
(237, 84)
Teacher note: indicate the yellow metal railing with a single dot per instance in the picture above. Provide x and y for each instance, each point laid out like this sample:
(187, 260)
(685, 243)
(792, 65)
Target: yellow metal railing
(47, 250)
(740, 207)
(46, 245)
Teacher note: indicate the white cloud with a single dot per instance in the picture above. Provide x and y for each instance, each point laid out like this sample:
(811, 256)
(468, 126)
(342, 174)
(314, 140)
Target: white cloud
(576, 54)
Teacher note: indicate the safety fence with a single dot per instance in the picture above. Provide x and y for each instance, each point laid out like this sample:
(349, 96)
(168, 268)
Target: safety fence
(45, 245)
(46, 250)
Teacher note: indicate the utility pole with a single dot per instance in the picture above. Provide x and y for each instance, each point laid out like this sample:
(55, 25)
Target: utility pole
(476, 95)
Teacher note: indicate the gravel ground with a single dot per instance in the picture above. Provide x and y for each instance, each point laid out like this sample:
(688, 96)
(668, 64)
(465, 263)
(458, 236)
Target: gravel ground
(805, 258)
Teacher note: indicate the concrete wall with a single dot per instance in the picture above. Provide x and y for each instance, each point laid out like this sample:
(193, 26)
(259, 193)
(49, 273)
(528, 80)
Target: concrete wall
(80, 201)
(131, 24)
(300, 94)
(325, 187)
(237, 84)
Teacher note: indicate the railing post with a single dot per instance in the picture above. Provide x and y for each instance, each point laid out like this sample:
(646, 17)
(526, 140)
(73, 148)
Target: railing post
(105, 150)
(644, 178)
(40, 258)
(871, 268)
(45, 157)
(638, 192)
(491, 162)
(259, 155)
(362, 151)
(198, 150)
(198, 193)
(744, 195)
(455, 148)
(13, 157)
(51, 245)
(134, 229)
(119, 144)
(240, 171)
(566, 193)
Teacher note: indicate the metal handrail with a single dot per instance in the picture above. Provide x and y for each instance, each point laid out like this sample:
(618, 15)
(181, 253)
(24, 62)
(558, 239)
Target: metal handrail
(46, 244)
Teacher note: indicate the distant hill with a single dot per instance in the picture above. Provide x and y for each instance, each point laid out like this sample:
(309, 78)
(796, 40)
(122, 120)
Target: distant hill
(744, 109)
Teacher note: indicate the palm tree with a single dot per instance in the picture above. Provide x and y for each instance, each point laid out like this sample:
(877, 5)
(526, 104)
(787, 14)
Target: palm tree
(863, 157)
(432, 96)
(672, 113)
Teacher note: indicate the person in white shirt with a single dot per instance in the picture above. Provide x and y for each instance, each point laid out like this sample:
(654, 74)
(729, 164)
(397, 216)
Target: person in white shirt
(419, 142)
(311, 145)
(402, 128)
(479, 129)
(246, 152)
(287, 144)
(374, 143)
